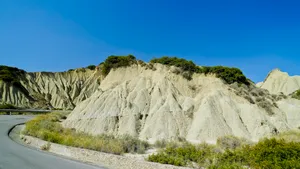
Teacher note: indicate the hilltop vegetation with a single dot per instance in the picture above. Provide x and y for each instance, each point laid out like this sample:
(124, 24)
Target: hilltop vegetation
(10, 74)
(117, 61)
(178, 62)
(228, 74)
(91, 67)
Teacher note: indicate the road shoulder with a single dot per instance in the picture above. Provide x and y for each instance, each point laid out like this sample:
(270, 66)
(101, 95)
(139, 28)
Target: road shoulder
(93, 157)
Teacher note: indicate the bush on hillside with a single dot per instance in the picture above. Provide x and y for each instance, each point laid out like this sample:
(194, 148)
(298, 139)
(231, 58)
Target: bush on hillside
(178, 62)
(231, 142)
(12, 76)
(91, 67)
(296, 95)
(117, 61)
(229, 75)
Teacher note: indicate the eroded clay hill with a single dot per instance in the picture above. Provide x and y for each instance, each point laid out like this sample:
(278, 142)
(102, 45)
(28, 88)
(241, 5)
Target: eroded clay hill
(61, 90)
(159, 103)
(278, 81)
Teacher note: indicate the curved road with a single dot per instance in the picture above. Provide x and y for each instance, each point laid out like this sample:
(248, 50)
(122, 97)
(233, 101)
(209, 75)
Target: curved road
(16, 156)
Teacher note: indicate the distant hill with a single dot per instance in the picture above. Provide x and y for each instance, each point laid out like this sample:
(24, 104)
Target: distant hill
(278, 81)
(60, 90)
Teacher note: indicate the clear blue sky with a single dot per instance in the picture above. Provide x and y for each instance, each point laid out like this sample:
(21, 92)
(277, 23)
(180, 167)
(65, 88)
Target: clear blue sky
(253, 35)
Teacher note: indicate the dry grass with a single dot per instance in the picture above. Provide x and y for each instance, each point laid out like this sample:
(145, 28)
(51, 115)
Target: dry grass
(289, 136)
(46, 147)
(48, 128)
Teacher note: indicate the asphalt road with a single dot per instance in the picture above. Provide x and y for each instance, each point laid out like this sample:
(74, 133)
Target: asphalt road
(16, 156)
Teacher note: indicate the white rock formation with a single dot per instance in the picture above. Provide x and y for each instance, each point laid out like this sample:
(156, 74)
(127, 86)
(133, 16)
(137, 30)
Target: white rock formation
(45, 89)
(278, 81)
(159, 104)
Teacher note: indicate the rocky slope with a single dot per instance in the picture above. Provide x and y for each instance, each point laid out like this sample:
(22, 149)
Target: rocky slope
(61, 90)
(157, 103)
(278, 81)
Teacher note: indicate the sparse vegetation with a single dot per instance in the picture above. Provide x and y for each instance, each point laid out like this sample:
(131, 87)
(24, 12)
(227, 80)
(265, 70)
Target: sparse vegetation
(91, 67)
(185, 65)
(10, 74)
(229, 75)
(46, 147)
(231, 142)
(289, 136)
(80, 70)
(19, 113)
(268, 153)
(296, 94)
(7, 106)
(48, 128)
(117, 61)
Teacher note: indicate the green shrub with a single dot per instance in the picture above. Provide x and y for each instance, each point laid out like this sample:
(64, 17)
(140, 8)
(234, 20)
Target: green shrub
(80, 70)
(268, 153)
(296, 95)
(160, 143)
(178, 62)
(184, 155)
(229, 75)
(48, 128)
(9, 74)
(272, 153)
(91, 67)
(117, 61)
(231, 142)
(13, 76)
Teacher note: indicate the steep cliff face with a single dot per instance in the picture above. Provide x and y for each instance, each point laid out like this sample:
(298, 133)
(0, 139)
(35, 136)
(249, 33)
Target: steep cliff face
(278, 81)
(61, 90)
(155, 104)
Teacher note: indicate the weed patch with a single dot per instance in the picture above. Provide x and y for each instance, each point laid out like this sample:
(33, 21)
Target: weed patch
(268, 153)
(48, 128)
